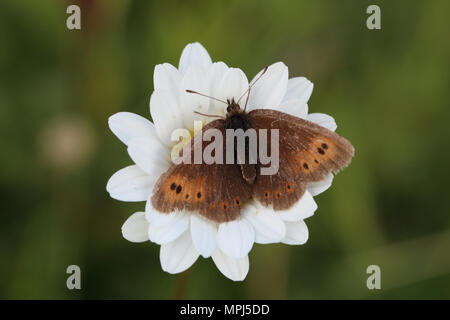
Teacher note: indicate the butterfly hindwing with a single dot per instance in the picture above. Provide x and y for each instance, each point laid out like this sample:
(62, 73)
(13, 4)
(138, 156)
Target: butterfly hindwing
(307, 153)
(281, 189)
(216, 191)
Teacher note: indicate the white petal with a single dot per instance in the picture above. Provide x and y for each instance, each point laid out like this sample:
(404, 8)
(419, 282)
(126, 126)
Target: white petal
(178, 255)
(293, 107)
(160, 219)
(299, 88)
(323, 120)
(235, 238)
(303, 209)
(167, 78)
(234, 269)
(194, 54)
(130, 184)
(270, 89)
(296, 232)
(269, 228)
(169, 232)
(127, 125)
(150, 155)
(194, 79)
(318, 187)
(135, 228)
(233, 84)
(166, 114)
(204, 235)
(215, 75)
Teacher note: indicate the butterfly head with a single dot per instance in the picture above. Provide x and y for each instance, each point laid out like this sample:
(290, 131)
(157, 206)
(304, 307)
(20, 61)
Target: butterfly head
(232, 107)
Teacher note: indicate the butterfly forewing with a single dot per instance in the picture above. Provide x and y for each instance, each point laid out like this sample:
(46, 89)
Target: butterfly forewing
(307, 153)
(216, 191)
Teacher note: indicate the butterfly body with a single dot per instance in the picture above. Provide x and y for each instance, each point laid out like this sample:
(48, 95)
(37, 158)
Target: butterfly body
(237, 121)
(307, 153)
(236, 118)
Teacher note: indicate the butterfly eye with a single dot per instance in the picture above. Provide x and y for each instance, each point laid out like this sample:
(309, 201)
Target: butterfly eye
(228, 109)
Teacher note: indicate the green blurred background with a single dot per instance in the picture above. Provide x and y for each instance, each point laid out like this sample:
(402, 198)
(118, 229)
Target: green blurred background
(388, 90)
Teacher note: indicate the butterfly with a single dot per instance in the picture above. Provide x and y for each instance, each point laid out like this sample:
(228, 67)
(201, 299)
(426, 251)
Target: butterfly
(307, 153)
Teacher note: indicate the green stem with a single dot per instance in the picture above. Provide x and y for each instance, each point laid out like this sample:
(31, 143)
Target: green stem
(180, 292)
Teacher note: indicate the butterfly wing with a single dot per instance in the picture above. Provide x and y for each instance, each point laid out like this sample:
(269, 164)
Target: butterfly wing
(307, 153)
(216, 191)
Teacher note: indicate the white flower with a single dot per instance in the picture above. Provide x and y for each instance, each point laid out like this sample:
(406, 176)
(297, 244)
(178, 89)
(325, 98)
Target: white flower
(183, 235)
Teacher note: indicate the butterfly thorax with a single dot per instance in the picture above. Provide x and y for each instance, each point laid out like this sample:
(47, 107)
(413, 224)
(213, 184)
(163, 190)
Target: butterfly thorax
(236, 118)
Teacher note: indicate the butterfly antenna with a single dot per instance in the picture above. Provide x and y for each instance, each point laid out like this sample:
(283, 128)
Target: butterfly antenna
(249, 87)
(246, 100)
(204, 95)
(210, 115)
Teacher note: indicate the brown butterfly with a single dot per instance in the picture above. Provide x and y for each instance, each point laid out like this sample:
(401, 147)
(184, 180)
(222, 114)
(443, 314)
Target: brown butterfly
(307, 153)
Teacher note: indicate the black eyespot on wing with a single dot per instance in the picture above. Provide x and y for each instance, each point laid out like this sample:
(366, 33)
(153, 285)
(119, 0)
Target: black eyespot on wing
(179, 188)
(289, 187)
(225, 205)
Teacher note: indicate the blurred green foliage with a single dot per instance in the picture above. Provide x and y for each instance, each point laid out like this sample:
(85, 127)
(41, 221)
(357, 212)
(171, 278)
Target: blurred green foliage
(388, 90)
